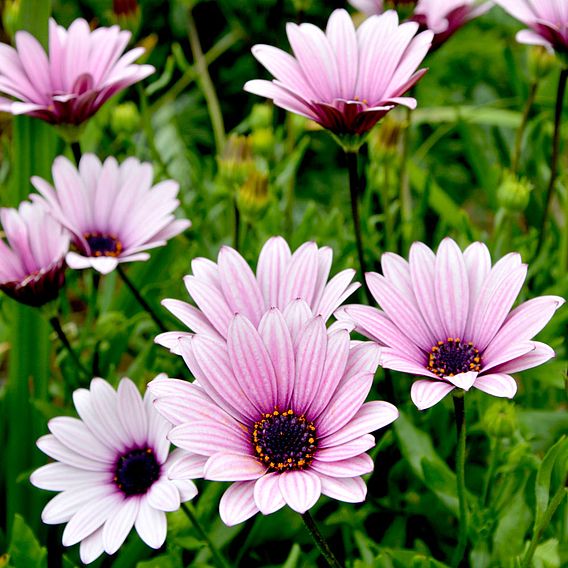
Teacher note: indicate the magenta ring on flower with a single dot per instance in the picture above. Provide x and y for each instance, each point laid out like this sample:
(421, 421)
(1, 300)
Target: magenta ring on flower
(279, 411)
(112, 470)
(447, 316)
(112, 211)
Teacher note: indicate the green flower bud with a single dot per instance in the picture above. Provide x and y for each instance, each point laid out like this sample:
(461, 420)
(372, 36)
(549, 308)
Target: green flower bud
(263, 141)
(126, 13)
(513, 194)
(10, 16)
(236, 162)
(253, 196)
(500, 419)
(541, 61)
(125, 118)
(384, 140)
(261, 116)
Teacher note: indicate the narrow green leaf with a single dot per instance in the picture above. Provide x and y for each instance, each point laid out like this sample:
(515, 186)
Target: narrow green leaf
(25, 549)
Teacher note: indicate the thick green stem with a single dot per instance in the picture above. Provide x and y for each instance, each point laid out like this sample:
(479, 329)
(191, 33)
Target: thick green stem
(140, 299)
(494, 452)
(190, 514)
(521, 131)
(320, 541)
(555, 156)
(206, 84)
(459, 411)
(352, 166)
(547, 517)
(57, 327)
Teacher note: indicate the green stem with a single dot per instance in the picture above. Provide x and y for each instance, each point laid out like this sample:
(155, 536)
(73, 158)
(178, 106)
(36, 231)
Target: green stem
(459, 411)
(494, 453)
(352, 167)
(190, 514)
(206, 84)
(237, 226)
(320, 540)
(76, 151)
(404, 191)
(140, 299)
(555, 155)
(521, 131)
(547, 517)
(58, 328)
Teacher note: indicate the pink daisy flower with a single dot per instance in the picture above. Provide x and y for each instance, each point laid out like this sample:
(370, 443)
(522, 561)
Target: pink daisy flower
(221, 289)
(344, 79)
(32, 263)
(279, 411)
(447, 316)
(112, 211)
(111, 467)
(82, 70)
(443, 17)
(547, 20)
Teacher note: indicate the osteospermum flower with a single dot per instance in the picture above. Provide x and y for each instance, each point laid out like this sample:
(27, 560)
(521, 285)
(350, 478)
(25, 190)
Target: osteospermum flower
(112, 211)
(279, 411)
(443, 17)
(32, 264)
(344, 79)
(112, 470)
(547, 20)
(221, 289)
(82, 70)
(447, 316)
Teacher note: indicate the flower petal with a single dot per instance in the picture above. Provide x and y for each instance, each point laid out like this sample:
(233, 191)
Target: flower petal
(497, 384)
(233, 467)
(267, 494)
(237, 504)
(300, 489)
(425, 394)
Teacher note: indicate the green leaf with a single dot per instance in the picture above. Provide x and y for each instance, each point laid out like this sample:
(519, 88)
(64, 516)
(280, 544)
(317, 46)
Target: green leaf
(25, 549)
(556, 454)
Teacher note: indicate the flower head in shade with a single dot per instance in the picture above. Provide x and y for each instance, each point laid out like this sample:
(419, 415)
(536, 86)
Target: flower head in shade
(221, 289)
(279, 411)
(344, 79)
(443, 17)
(111, 467)
(547, 20)
(82, 70)
(32, 263)
(447, 316)
(112, 211)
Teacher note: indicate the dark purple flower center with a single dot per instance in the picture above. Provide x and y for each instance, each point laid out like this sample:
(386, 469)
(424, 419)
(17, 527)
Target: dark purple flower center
(136, 471)
(103, 244)
(284, 441)
(453, 356)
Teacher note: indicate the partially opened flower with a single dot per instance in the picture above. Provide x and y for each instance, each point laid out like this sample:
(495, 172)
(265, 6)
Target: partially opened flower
(279, 411)
(547, 20)
(221, 289)
(344, 79)
(447, 316)
(111, 467)
(32, 263)
(82, 70)
(112, 211)
(443, 17)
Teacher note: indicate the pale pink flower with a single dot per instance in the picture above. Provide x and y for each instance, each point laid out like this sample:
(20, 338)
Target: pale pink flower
(111, 467)
(82, 70)
(32, 264)
(547, 20)
(447, 316)
(344, 79)
(221, 289)
(443, 17)
(278, 410)
(112, 211)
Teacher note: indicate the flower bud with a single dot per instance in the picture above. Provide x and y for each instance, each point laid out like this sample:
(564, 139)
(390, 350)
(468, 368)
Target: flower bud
(513, 194)
(126, 13)
(263, 141)
(500, 419)
(10, 16)
(384, 141)
(541, 61)
(252, 196)
(125, 118)
(261, 116)
(236, 162)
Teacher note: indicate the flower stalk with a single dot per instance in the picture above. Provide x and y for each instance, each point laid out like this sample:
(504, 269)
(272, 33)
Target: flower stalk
(58, 328)
(459, 412)
(320, 540)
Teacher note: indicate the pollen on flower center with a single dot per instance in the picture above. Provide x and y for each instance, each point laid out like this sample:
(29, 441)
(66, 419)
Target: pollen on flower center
(453, 356)
(284, 441)
(136, 471)
(103, 244)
